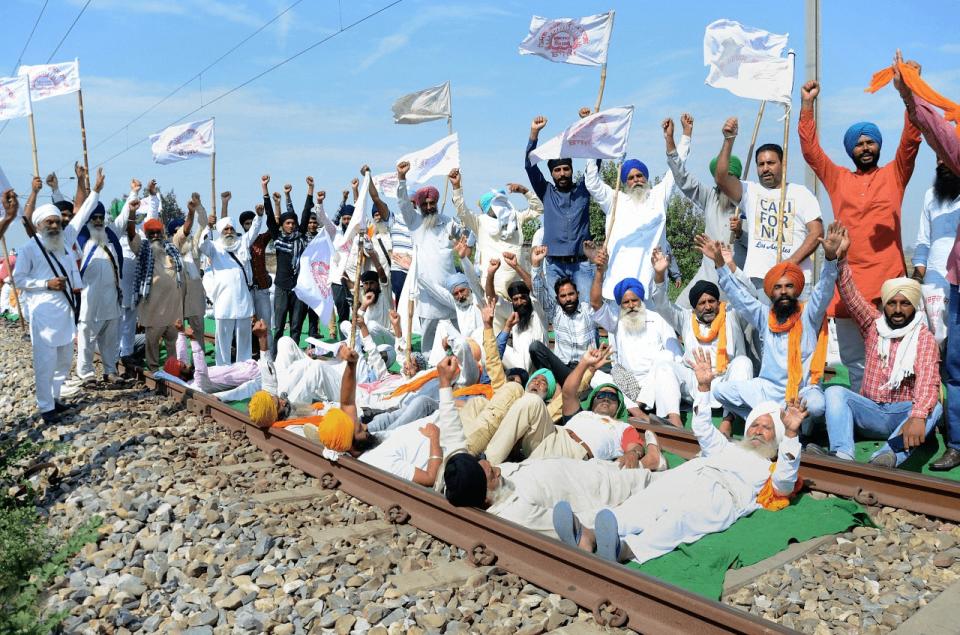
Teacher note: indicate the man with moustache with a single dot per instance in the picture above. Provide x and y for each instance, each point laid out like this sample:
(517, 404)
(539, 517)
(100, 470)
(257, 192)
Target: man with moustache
(939, 220)
(711, 326)
(527, 321)
(50, 282)
(575, 332)
(641, 222)
(867, 201)
(725, 482)
(794, 333)
(898, 400)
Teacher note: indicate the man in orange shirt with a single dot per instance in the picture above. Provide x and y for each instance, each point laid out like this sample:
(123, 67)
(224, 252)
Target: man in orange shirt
(867, 201)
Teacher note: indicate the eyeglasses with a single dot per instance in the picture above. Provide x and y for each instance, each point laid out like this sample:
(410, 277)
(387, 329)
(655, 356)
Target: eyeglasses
(612, 396)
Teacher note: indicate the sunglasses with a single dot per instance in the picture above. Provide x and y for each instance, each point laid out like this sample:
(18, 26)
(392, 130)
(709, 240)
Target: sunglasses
(612, 396)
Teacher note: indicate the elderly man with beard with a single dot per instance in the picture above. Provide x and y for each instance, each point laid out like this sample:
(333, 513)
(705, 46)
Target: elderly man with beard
(866, 200)
(574, 330)
(50, 281)
(527, 321)
(641, 220)
(641, 338)
(232, 301)
(101, 271)
(898, 400)
(794, 334)
(725, 482)
(939, 220)
(435, 236)
(711, 326)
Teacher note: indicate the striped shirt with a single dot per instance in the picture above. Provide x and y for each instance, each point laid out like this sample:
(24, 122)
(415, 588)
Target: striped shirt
(575, 334)
(400, 237)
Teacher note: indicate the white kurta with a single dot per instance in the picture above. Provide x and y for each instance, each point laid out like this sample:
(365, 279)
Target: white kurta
(231, 298)
(517, 355)
(638, 353)
(639, 227)
(99, 301)
(150, 206)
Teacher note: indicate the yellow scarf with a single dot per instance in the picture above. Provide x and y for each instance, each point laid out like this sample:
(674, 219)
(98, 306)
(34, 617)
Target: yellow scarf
(718, 327)
(770, 498)
(794, 325)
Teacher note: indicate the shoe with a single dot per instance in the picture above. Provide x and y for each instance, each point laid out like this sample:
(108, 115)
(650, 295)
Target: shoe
(88, 382)
(949, 460)
(59, 406)
(608, 536)
(113, 378)
(650, 438)
(813, 448)
(130, 362)
(566, 525)
(887, 459)
(69, 391)
(312, 433)
(51, 416)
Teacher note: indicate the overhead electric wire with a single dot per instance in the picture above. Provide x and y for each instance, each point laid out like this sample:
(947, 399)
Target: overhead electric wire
(20, 59)
(68, 31)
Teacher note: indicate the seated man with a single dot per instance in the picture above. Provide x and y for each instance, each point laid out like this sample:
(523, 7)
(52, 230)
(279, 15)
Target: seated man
(898, 397)
(641, 338)
(709, 325)
(573, 326)
(216, 379)
(794, 334)
(728, 480)
(375, 306)
(530, 323)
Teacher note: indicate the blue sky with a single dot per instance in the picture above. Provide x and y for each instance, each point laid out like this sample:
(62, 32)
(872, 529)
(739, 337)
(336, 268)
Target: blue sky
(328, 111)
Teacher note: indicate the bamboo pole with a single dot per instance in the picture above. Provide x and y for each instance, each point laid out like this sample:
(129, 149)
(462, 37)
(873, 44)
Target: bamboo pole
(33, 140)
(411, 301)
(83, 138)
(783, 186)
(13, 283)
(746, 164)
(446, 183)
(603, 81)
(613, 212)
(356, 290)
(213, 181)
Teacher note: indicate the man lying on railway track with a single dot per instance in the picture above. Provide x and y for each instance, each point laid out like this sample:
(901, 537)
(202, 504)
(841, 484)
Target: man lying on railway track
(728, 480)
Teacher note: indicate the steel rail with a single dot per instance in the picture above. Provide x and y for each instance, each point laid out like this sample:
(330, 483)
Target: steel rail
(618, 596)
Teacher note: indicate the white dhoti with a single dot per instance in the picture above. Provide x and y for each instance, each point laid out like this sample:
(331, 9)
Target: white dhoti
(51, 365)
(306, 380)
(676, 381)
(99, 334)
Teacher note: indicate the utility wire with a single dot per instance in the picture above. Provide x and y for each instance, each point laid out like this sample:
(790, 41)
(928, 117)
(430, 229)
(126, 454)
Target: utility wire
(68, 31)
(20, 59)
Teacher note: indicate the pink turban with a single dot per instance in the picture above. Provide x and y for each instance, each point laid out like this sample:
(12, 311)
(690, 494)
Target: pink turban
(424, 193)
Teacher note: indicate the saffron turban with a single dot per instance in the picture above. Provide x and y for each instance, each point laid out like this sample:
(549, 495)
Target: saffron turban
(858, 130)
(633, 164)
(336, 430)
(247, 215)
(455, 280)
(909, 287)
(466, 482)
(735, 168)
(223, 223)
(262, 409)
(784, 269)
(628, 284)
(551, 381)
(475, 349)
(701, 287)
(174, 366)
(153, 225)
(44, 212)
(174, 225)
(771, 408)
(424, 193)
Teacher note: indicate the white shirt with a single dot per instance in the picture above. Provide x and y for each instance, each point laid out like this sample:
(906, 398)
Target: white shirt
(761, 208)
(938, 229)
(231, 298)
(536, 330)
(603, 435)
(99, 300)
(638, 352)
(681, 320)
(403, 450)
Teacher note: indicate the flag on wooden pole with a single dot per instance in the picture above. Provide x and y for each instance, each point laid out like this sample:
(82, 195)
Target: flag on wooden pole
(313, 284)
(52, 80)
(602, 135)
(14, 98)
(428, 104)
(581, 41)
(183, 142)
(747, 62)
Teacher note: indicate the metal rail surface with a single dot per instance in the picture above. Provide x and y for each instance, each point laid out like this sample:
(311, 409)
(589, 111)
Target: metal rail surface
(617, 595)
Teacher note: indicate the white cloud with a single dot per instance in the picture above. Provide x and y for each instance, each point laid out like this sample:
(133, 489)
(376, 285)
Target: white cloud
(950, 48)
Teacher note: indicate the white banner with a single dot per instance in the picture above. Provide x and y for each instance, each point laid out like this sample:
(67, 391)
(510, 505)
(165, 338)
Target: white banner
(602, 135)
(409, 292)
(362, 215)
(582, 41)
(386, 184)
(183, 142)
(437, 160)
(313, 283)
(747, 62)
(52, 80)
(14, 98)
(428, 104)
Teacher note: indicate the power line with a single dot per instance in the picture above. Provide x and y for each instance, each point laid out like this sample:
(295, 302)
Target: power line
(20, 59)
(252, 79)
(68, 31)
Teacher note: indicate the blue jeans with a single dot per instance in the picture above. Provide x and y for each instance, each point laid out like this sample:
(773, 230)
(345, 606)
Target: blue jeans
(417, 408)
(846, 410)
(581, 272)
(952, 366)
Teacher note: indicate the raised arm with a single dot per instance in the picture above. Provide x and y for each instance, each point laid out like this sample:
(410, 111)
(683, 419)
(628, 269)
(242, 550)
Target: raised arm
(511, 259)
(224, 203)
(382, 210)
(272, 225)
(348, 385)
(813, 154)
(537, 180)
(82, 192)
(594, 358)
(328, 225)
(82, 214)
(711, 440)
(410, 216)
(729, 184)
(489, 289)
(307, 207)
(596, 289)
(670, 312)
(250, 236)
(468, 218)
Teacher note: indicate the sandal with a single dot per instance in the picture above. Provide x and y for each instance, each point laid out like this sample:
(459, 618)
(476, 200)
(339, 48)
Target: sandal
(566, 525)
(608, 536)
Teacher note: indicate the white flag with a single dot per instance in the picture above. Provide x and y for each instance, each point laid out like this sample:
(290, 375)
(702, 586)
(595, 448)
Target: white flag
(437, 160)
(362, 215)
(428, 104)
(747, 62)
(602, 135)
(386, 184)
(186, 141)
(582, 41)
(14, 98)
(313, 284)
(409, 292)
(52, 80)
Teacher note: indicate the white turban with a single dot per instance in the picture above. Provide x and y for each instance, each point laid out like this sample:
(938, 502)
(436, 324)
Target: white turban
(909, 287)
(771, 408)
(391, 353)
(44, 212)
(225, 222)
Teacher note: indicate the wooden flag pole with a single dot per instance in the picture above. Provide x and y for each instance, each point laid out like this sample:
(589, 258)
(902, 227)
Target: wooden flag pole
(783, 186)
(603, 81)
(83, 137)
(13, 283)
(411, 297)
(753, 141)
(33, 140)
(613, 212)
(356, 289)
(446, 182)
(213, 181)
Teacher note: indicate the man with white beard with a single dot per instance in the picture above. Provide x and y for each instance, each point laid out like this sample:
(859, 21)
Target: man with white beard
(101, 271)
(641, 338)
(641, 211)
(725, 482)
(232, 300)
(50, 281)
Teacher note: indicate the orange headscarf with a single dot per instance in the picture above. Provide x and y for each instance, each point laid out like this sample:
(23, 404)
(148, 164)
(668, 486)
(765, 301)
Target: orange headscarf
(794, 326)
(413, 386)
(770, 498)
(912, 79)
(780, 270)
(718, 328)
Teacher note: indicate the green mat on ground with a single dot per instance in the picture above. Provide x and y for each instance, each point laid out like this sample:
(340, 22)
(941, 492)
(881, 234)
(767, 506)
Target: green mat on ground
(702, 566)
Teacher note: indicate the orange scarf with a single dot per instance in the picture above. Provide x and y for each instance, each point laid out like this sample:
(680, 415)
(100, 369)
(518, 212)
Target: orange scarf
(769, 498)
(794, 325)
(920, 88)
(718, 327)
(477, 389)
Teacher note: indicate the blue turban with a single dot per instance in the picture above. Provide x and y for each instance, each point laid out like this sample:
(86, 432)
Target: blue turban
(628, 284)
(455, 280)
(99, 210)
(173, 226)
(858, 130)
(486, 198)
(633, 164)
